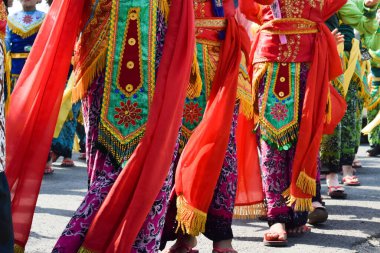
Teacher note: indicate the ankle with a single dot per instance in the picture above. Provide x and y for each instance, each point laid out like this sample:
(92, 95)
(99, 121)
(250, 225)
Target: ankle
(225, 244)
(332, 179)
(187, 240)
(347, 170)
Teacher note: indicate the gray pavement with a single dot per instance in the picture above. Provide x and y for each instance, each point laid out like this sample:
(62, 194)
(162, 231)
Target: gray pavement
(353, 225)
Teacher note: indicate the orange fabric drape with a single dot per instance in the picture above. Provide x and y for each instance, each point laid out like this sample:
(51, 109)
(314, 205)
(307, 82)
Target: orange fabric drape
(250, 190)
(325, 66)
(34, 109)
(126, 207)
(202, 158)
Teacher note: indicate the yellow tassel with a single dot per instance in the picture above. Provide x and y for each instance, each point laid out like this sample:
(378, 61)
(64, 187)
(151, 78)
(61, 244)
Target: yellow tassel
(163, 6)
(194, 88)
(306, 183)
(329, 107)
(300, 204)
(20, 32)
(250, 212)
(190, 220)
(83, 84)
(84, 250)
(245, 90)
(7, 68)
(259, 71)
(286, 194)
(18, 249)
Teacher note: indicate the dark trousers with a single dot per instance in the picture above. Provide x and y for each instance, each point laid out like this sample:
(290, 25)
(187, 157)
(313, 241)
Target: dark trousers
(6, 229)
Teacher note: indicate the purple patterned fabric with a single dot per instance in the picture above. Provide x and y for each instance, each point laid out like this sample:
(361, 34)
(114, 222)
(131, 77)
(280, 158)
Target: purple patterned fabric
(102, 175)
(276, 168)
(220, 213)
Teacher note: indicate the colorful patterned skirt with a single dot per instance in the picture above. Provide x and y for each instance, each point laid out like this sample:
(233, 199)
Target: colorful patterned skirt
(280, 109)
(102, 175)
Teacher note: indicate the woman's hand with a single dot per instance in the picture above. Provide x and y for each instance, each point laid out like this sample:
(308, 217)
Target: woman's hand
(370, 3)
(339, 38)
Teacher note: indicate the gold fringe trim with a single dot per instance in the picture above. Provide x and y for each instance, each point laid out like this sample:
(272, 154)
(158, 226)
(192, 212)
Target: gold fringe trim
(84, 250)
(300, 204)
(307, 184)
(18, 249)
(164, 7)
(250, 212)
(329, 108)
(258, 73)
(8, 68)
(20, 32)
(245, 90)
(286, 193)
(280, 139)
(194, 89)
(190, 220)
(83, 84)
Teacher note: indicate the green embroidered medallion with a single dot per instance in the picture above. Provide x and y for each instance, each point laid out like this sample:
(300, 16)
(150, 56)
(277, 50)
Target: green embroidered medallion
(280, 105)
(130, 76)
(194, 108)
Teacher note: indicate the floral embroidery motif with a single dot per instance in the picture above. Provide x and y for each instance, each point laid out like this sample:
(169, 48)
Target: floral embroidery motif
(192, 113)
(279, 112)
(128, 113)
(27, 19)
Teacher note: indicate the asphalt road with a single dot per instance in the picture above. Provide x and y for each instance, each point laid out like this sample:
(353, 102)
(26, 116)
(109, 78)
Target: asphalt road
(353, 225)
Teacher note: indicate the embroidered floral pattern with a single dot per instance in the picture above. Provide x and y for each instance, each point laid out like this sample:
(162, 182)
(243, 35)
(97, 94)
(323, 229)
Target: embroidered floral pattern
(192, 113)
(27, 19)
(128, 113)
(279, 112)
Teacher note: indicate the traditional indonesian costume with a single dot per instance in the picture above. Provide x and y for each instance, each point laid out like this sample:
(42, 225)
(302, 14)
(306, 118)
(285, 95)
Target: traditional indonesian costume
(295, 56)
(124, 72)
(206, 182)
(340, 148)
(373, 44)
(22, 30)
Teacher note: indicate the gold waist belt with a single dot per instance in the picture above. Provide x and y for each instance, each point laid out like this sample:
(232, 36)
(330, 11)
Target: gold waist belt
(19, 55)
(290, 26)
(213, 23)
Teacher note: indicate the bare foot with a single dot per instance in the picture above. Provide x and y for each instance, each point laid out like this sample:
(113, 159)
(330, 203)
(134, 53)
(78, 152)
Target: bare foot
(277, 232)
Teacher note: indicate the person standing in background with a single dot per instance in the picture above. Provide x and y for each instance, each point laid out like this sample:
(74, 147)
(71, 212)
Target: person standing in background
(373, 44)
(22, 29)
(6, 229)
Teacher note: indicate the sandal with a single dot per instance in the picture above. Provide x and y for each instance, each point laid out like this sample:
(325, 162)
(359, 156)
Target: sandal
(179, 246)
(48, 170)
(67, 162)
(336, 192)
(351, 181)
(223, 250)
